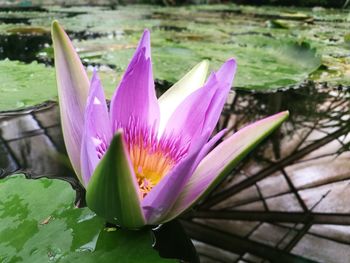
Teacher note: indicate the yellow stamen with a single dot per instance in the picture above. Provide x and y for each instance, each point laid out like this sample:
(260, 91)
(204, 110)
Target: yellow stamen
(150, 167)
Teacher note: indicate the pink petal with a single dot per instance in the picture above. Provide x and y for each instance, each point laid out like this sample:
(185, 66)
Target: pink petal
(135, 97)
(221, 160)
(201, 110)
(97, 129)
(73, 86)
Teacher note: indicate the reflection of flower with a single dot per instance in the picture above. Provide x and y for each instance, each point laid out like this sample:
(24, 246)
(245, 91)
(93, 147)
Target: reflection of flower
(147, 160)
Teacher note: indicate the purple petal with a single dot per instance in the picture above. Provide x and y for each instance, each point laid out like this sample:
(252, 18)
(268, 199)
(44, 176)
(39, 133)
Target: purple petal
(221, 160)
(97, 129)
(135, 97)
(73, 86)
(200, 111)
(225, 77)
(209, 145)
(161, 198)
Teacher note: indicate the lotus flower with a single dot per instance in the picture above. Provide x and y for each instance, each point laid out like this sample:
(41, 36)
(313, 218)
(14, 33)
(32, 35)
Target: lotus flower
(147, 160)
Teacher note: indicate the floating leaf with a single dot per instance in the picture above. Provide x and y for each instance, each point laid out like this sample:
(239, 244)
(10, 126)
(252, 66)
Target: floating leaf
(22, 84)
(39, 224)
(182, 37)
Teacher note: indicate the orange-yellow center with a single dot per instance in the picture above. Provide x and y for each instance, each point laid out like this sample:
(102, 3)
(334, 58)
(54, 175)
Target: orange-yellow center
(150, 167)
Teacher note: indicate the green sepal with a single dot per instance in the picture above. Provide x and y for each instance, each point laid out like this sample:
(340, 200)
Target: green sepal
(112, 192)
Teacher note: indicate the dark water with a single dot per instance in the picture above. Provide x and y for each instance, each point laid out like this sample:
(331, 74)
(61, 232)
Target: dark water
(296, 180)
(12, 46)
(25, 45)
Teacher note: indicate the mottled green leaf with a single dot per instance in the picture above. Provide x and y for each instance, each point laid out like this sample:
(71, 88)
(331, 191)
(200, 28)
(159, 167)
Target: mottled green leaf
(39, 223)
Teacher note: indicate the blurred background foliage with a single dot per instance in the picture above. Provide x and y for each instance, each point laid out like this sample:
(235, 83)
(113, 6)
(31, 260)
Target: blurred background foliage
(309, 3)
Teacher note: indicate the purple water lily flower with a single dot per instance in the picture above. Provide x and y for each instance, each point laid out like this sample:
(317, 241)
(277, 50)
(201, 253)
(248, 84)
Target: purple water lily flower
(147, 160)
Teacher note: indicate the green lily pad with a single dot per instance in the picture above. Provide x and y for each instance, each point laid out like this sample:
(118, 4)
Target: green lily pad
(181, 37)
(335, 71)
(263, 62)
(28, 30)
(23, 85)
(39, 223)
(290, 52)
(132, 17)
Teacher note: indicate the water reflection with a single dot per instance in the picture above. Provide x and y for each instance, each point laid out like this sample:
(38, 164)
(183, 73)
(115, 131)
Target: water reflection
(291, 195)
(31, 143)
(287, 202)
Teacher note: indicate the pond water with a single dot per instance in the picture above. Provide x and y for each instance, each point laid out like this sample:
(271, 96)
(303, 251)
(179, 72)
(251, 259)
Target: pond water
(275, 47)
(286, 202)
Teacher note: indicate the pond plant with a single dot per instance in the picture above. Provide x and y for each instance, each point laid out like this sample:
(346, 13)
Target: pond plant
(143, 160)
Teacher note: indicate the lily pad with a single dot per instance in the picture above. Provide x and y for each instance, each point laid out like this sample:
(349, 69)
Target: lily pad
(181, 37)
(263, 62)
(23, 85)
(39, 223)
(290, 52)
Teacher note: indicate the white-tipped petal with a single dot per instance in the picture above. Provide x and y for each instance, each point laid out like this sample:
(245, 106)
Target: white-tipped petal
(73, 87)
(173, 97)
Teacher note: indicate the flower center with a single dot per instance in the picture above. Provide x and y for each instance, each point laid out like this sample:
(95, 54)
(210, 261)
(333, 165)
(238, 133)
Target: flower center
(152, 158)
(150, 166)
